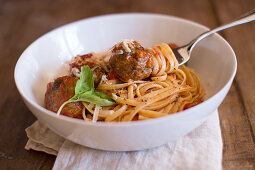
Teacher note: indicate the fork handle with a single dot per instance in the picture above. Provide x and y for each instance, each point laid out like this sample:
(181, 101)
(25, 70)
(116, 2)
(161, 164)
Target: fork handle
(248, 17)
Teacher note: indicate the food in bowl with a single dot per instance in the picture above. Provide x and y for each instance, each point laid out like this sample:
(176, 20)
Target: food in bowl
(213, 60)
(127, 83)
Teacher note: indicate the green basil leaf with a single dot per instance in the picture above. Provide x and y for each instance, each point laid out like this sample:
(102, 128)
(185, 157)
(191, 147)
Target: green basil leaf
(92, 97)
(86, 82)
(84, 91)
(103, 95)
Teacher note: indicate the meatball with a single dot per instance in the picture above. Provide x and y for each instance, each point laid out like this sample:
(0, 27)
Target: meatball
(81, 60)
(129, 60)
(59, 91)
(90, 60)
(98, 72)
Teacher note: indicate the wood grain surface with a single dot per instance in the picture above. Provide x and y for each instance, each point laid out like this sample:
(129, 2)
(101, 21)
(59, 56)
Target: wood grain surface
(21, 22)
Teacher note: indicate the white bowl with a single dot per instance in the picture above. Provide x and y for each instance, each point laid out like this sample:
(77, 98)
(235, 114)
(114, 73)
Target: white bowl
(213, 59)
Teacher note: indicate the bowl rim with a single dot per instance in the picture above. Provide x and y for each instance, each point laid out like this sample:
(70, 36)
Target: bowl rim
(131, 123)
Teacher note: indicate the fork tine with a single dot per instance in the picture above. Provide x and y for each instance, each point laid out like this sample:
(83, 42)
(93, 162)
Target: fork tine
(177, 55)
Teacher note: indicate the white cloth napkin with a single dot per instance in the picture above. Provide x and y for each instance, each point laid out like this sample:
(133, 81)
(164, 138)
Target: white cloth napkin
(199, 150)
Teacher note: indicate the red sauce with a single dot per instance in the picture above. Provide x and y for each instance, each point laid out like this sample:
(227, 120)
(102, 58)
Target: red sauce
(112, 75)
(173, 45)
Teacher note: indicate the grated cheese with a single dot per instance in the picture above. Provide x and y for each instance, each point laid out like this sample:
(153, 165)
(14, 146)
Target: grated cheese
(119, 52)
(76, 72)
(114, 96)
(125, 46)
(103, 79)
(96, 112)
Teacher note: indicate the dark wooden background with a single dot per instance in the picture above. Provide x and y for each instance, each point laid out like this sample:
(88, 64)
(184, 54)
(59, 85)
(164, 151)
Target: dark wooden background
(21, 22)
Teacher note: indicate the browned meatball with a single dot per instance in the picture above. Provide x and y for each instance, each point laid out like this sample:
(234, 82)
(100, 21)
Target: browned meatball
(90, 60)
(98, 72)
(81, 60)
(59, 91)
(130, 60)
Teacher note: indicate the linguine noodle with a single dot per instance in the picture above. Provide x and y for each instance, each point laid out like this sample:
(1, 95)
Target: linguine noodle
(168, 90)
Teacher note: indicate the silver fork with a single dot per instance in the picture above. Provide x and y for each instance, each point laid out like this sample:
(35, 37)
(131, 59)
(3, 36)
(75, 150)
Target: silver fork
(182, 53)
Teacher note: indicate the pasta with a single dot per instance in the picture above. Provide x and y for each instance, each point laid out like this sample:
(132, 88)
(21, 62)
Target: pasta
(167, 90)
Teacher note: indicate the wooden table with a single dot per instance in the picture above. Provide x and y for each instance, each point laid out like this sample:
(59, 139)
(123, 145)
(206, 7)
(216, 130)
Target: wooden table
(21, 22)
